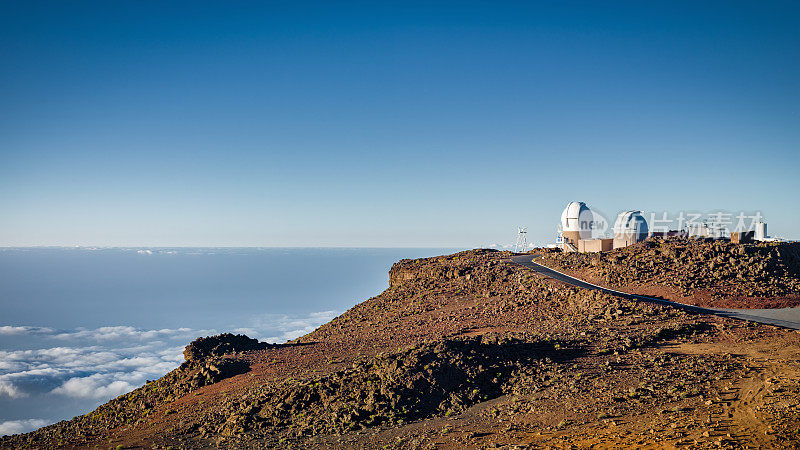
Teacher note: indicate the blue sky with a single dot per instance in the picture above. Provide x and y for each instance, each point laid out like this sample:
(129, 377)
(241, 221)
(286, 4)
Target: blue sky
(388, 123)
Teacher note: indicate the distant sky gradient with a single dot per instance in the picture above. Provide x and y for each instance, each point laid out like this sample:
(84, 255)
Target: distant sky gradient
(388, 123)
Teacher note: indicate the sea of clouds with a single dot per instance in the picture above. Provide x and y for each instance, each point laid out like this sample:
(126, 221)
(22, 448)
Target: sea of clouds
(62, 373)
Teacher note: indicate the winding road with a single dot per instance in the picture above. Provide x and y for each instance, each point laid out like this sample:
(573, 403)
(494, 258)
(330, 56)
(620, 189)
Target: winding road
(782, 317)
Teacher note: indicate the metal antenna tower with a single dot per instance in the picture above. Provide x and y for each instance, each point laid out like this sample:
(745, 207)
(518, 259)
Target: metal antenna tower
(522, 240)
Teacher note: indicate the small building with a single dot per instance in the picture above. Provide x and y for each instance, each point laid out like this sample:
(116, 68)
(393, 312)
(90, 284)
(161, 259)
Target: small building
(699, 230)
(741, 237)
(761, 231)
(670, 233)
(707, 230)
(595, 245)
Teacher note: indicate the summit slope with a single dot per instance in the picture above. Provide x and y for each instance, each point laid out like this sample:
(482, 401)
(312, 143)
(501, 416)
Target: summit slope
(469, 350)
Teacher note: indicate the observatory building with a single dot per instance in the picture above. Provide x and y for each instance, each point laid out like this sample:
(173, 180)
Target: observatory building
(577, 222)
(629, 228)
(577, 230)
(582, 230)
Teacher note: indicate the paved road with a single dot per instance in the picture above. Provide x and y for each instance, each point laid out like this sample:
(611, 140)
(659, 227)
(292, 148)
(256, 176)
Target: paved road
(782, 317)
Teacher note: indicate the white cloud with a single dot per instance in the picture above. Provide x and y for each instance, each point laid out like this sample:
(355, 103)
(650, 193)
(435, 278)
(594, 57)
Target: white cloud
(97, 386)
(279, 328)
(98, 364)
(12, 331)
(8, 389)
(101, 333)
(98, 371)
(120, 332)
(21, 426)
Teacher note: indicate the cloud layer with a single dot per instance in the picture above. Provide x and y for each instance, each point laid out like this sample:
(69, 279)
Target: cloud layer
(86, 367)
(20, 426)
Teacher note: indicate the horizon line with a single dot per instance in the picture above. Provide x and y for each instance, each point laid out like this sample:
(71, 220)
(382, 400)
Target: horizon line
(225, 246)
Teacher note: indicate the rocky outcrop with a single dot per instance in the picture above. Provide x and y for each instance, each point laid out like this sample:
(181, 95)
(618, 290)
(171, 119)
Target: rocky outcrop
(220, 345)
(442, 268)
(437, 378)
(213, 370)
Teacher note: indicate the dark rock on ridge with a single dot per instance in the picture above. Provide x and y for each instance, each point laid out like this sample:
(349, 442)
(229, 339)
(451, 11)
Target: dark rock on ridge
(219, 345)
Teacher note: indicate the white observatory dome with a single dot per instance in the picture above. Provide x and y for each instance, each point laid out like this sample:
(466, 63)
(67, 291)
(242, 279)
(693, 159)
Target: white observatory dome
(631, 223)
(577, 217)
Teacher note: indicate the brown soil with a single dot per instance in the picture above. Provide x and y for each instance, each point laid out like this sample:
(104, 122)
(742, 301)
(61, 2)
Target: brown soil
(695, 272)
(469, 351)
(696, 297)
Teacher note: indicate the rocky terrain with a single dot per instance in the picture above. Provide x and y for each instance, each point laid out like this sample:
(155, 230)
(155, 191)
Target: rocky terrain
(694, 271)
(470, 351)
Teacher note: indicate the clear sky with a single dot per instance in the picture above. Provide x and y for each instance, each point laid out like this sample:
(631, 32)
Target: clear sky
(388, 123)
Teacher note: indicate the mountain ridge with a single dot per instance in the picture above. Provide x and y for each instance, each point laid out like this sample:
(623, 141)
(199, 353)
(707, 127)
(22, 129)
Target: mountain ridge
(466, 350)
